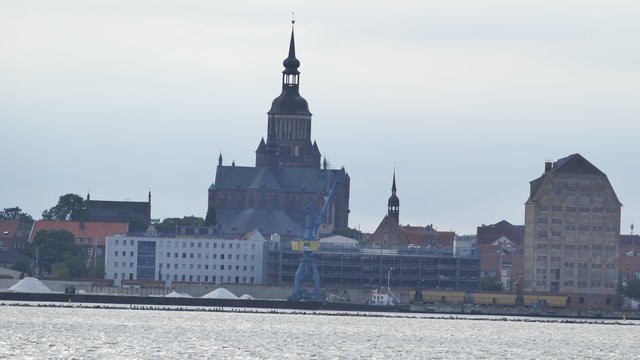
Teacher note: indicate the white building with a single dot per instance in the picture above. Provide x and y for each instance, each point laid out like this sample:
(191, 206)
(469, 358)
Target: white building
(188, 259)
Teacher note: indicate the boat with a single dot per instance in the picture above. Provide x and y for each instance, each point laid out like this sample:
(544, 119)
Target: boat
(382, 296)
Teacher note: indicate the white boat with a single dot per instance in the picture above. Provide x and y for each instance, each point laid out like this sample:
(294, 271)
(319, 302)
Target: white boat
(382, 296)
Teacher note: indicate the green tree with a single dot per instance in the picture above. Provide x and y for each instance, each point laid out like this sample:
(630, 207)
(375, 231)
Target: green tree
(168, 225)
(97, 272)
(632, 289)
(51, 247)
(70, 207)
(491, 284)
(23, 266)
(16, 214)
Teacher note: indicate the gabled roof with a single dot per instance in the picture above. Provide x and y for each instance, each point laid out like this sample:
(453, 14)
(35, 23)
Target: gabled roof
(265, 181)
(574, 164)
(118, 211)
(267, 221)
(8, 228)
(289, 179)
(92, 230)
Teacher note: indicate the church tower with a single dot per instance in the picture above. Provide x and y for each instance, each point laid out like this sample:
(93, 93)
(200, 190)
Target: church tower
(289, 123)
(393, 204)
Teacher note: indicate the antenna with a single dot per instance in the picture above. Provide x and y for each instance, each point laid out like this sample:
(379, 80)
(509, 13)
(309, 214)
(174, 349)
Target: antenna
(631, 227)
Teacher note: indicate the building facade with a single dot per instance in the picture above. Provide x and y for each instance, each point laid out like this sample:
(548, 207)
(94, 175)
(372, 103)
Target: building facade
(572, 226)
(200, 259)
(88, 235)
(354, 267)
(288, 180)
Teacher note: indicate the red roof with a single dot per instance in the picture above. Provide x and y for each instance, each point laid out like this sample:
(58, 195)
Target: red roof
(90, 232)
(8, 228)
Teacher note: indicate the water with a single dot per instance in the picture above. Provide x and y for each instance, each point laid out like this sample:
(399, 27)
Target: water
(90, 333)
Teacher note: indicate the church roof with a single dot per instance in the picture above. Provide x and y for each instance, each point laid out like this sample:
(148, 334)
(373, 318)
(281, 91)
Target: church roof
(265, 181)
(118, 211)
(290, 179)
(267, 221)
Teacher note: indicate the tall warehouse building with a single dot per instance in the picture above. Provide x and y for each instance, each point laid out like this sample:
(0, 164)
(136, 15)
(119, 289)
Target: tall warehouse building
(572, 225)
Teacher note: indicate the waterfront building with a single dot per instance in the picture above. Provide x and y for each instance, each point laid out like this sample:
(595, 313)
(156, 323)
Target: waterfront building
(348, 265)
(390, 234)
(88, 235)
(629, 258)
(201, 258)
(288, 177)
(136, 213)
(14, 235)
(501, 248)
(572, 227)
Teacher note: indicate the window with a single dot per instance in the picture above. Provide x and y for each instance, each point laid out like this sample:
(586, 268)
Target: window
(215, 246)
(117, 244)
(115, 275)
(253, 247)
(237, 247)
(176, 255)
(222, 246)
(253, 257)
(168, 255)
(206, 278)
(131, 253)
(237, 257)
(184, 277)
(192, 244)
(175, 266)
(131, 242)
(191, 256)
(115, 253)
(199, 256)
(221, 267)
(99, 251)
(184, 255)
(206, 266)
(244, 257)
(199, 245)
(190, 277)
(115, 264)
(221, 256)
(206, 245)
(130, 264)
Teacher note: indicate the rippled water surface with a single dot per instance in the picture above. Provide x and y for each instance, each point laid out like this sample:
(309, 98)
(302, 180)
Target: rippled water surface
(89, 333)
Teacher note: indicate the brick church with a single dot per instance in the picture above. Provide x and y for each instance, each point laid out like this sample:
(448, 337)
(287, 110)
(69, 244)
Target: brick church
(288, 177)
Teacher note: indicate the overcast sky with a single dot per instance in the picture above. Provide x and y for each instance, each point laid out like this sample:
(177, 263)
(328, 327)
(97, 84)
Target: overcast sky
(467, 99)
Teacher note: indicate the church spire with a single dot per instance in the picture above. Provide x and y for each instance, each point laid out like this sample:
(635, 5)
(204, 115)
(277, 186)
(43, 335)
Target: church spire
(393, 205)
(291, 75)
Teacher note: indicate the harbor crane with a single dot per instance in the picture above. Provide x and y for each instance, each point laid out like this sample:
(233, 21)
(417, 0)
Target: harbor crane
(307, 270)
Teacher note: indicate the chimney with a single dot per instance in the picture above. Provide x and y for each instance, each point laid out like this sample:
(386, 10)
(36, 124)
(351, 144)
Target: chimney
(548, 165)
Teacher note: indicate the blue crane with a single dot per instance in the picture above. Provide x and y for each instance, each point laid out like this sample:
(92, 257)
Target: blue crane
(307, 270)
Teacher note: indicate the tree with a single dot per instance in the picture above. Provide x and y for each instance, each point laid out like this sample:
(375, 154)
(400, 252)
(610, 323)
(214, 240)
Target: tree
(168, 225)
(16, 214)
(51, 246)
(71, 266)
(632, 289)
(70, 207)
(23, 266)
(491, 284)
(98, 270)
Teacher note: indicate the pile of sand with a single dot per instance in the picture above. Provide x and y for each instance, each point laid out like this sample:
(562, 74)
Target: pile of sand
(220, 293)
(175, 294)
(30, 285)
(246, 297)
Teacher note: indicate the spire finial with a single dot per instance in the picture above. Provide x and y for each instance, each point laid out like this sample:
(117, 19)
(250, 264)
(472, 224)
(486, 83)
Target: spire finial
(293, 17)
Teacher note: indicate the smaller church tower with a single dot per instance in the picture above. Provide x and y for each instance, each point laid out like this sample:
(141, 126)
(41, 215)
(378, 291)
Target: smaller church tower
(394, 203)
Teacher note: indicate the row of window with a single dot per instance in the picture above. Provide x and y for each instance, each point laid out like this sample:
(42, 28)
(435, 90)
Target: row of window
(206, 266)
(213, 256)
(205, 278)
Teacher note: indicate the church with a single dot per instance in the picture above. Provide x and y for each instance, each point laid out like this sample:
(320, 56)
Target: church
(288, 180)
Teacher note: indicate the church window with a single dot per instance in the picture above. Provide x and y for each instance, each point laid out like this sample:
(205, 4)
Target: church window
(296, 151)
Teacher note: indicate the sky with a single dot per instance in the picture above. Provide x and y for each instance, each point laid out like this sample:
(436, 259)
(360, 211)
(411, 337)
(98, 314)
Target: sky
(466, 100)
